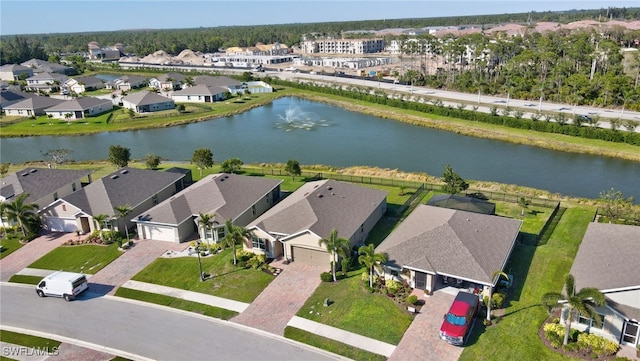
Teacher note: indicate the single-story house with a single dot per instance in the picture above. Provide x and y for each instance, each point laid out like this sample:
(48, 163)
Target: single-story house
(43, 66)
(168, 81)
(31, 106)
(462, 203)
(145, 102)
(608, 261)
(11, 72)
(45, 82)
(201, 93)
(43, 185)
(140, 189)
(438, 244)
(232, 85)
(293, 228)
(79, 108)
(83, 84)
(12, 96)
(222, 196)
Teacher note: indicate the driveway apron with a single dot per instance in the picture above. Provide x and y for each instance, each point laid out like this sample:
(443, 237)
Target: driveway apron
(281, 300)
(421, 340)
(31, 252)
(132, 261)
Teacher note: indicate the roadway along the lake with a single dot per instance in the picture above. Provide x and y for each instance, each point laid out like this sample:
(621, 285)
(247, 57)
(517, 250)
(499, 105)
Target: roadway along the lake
(153, 332)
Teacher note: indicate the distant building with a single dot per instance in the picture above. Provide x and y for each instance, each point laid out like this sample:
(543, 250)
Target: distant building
(96, 52)
(343, 46)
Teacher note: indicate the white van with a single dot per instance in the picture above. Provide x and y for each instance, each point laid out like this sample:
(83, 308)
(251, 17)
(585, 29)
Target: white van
(67, 285)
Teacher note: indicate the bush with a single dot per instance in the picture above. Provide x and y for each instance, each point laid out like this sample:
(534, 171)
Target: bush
(326, 277)
(497, 299)
(257, 261)
(412, 299)
(393, 286)
(214, 248)
(599, 345)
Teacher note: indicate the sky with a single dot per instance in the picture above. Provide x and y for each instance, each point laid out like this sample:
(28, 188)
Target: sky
(54, 16)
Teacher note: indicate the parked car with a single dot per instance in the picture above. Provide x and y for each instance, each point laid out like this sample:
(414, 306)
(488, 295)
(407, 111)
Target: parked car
(458, 322)
(67, 285)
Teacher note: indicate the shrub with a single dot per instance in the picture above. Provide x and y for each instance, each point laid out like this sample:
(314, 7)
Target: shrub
(256, 261)
(214, 248)
(393, 286)
(599, 345)
(497, 299)
(412, 299)
(326, 277)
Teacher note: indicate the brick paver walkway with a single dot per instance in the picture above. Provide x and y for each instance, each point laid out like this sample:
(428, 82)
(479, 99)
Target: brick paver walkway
(116, 273)
(281, 300)
(69, 352)
(32, 251)
(421, 340)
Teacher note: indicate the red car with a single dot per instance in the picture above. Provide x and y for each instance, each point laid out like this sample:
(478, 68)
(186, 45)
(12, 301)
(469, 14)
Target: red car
(458, 322)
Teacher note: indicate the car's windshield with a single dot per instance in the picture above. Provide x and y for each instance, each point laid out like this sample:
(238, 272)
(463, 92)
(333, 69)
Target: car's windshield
(455, 320)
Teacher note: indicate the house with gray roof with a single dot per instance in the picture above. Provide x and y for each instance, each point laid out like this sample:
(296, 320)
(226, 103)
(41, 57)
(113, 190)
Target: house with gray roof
(43, 66)
(83, 84)
(293, 228)
(201, 93)
(232, 85)
(79, 108)
(222, 196)
(145, 102)
(11, 96)
(45, 82)
(433, 245)
(31, 106)
(608, 260)
(170, 81)
(11, 72)
(127, 82)
(140, 189)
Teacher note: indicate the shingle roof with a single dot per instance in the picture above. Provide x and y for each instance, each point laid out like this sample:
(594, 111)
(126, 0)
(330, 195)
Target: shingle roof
(12, 68)
(225, 195)
(129, 186)
(174, 76)
(321, 206)
(88, 80)
(145, 98)
(222, 81)
(37, 102)
(47, 76)
(618, 267)
(456, 243)
(79, 104)
(8, 97)
(201, 89)
(39, 182)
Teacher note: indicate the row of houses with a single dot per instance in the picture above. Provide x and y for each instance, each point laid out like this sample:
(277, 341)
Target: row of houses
(200, 89)
(433, 247)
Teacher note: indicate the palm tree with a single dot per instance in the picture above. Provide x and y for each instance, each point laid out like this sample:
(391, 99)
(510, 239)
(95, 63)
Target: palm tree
(122, 212)
(524, 204)
(370, 259)
(583, 302)
(235, 234)
(3, 212)
(205, 221)
(21, 212)
(333, 244)
(493, 277)
(99, 219)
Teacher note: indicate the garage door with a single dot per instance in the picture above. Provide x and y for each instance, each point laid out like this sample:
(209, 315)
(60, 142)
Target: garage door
(160, 233)
(62, 224)
(310, 256)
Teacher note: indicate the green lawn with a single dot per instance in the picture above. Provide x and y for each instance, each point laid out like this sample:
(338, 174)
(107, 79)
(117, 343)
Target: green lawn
(88, 258)
(228, 281)
(30, 280)
(330, 345)
(536, 270)
(27, 340)
(178, 303)
(353, 309)
(9, 245)
(534, 217)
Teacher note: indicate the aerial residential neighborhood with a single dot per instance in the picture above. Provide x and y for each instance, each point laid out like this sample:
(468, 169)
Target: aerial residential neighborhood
(408, 188)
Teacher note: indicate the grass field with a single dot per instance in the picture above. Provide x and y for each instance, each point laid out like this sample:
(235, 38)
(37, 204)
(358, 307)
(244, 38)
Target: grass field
(87, 258)
(331, 345)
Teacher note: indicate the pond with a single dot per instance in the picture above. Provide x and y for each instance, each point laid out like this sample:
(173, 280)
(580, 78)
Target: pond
(317, 133)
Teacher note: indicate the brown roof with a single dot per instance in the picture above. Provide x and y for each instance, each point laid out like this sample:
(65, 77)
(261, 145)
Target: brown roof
(455, 243)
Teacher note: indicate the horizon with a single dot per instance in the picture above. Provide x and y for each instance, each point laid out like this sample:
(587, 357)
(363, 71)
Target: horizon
(138, 15)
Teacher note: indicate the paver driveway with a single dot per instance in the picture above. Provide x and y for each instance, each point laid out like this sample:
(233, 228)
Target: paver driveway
(281, 300)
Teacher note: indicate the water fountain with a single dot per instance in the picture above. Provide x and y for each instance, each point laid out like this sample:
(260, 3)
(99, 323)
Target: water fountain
(294, 118)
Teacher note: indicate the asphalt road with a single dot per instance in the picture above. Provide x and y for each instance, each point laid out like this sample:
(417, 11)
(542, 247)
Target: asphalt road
(484, 102)
(152, 332)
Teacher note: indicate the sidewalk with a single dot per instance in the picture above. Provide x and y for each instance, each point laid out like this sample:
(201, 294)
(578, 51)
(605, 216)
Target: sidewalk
(65, 351)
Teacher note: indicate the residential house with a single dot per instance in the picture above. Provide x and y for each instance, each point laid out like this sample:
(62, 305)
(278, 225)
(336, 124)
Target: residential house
(168, 81)
(45, 82)
(83, 84)
(11, 72)
(223, 196)
(43, 185)
(232, 85)
(140, 189)
(293, 228)
(10, 96)
(43, 66)
(201, 93)
(470, 204)
(127, 82)
(79, 108)
(32, 106)
(145, 102)
(434, 246)
(608, 260)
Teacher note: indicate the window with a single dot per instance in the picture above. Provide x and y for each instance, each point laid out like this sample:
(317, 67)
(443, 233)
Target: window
(260, 243)
(154, 199)
(208, 234)
(221, 233)
(55, 196)
(591, 323)
(253, 209)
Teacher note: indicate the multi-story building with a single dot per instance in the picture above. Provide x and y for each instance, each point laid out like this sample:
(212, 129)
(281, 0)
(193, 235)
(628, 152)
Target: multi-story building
(343, 46)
